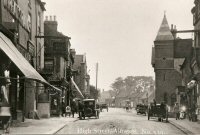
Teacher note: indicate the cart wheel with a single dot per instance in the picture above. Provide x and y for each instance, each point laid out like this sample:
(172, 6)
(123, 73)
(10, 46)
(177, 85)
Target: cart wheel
(97, 114)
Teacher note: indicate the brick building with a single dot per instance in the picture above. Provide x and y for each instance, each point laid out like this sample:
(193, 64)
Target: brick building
(81, 76)
(167, 59)
(22, 53)
(58, 62)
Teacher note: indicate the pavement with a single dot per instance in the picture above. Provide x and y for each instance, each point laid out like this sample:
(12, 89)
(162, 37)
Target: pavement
(188, 127)
(42, 126)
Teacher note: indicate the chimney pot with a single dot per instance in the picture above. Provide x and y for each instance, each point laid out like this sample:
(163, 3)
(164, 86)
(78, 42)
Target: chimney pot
(54, 18)
(171, 27)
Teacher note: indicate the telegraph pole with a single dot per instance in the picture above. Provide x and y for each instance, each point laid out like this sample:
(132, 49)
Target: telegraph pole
(97, 65)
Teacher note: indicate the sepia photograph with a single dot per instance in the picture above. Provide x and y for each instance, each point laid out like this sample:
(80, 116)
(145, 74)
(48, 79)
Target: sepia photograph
(100, 67)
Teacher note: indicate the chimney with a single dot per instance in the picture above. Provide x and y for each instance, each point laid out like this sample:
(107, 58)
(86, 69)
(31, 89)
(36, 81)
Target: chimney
(73, 52)
(50, 25)
(50, 18)
(46, 18)
(171, 27)
(175, 35)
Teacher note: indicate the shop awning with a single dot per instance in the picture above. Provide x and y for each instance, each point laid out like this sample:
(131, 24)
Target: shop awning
(18, 59)
(77, 88)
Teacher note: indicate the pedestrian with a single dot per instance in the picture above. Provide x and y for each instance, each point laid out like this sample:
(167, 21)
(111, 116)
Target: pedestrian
(176, 110)
(68, 111)
(154, 102)
(63, 108)
(80, 109)
(73, 107)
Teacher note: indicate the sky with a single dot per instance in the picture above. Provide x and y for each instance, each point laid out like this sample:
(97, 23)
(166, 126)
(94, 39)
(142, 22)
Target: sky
(118, 34)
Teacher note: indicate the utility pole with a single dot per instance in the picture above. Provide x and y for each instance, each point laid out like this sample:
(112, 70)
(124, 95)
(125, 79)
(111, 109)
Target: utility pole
(97, 65)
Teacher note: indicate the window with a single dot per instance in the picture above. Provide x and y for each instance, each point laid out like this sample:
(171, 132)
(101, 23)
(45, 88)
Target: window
(39, 22)
(30, 25)
(57, 46)
(49, 65)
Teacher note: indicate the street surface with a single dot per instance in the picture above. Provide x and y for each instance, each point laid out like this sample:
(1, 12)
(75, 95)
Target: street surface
(119, 121)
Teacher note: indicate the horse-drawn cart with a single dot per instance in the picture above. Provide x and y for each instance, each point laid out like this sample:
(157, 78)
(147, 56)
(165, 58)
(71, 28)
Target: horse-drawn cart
(159, 110)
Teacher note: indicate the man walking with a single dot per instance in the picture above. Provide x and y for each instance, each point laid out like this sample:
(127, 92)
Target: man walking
(176, 110)
(80, 109)
(73, 107)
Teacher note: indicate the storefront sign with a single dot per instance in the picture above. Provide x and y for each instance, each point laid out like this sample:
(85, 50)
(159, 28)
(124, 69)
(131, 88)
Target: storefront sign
(18, 14)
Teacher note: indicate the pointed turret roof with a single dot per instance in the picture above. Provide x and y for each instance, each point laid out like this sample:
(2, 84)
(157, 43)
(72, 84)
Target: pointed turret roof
(164, 32)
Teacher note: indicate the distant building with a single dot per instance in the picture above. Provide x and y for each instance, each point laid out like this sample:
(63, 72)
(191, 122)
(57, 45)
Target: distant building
(105, 97)
(81, 76)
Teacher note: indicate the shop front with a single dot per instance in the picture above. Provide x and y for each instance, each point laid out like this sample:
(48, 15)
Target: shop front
(20, 82)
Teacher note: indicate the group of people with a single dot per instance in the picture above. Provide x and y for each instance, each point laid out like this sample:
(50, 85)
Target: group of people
(72, 109)
(68, 110)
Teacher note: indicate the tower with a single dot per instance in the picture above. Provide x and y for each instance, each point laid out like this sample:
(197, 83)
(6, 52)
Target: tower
(166, 77)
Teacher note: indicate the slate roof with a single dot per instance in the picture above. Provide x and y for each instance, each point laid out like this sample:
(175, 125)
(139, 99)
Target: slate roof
(164, 32)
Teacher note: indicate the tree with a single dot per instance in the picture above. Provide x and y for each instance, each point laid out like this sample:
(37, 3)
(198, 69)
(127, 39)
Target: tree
(132, 84)
(118, 85)
(93, 92)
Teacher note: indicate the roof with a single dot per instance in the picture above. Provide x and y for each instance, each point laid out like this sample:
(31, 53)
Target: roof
(164, 32)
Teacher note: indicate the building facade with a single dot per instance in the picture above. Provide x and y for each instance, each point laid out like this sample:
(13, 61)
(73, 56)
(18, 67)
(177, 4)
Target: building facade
(81, 76)
(166, 77)
(58, 62)
(20, 22)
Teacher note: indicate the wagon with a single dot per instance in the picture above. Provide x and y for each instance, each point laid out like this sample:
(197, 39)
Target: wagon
(159, 110)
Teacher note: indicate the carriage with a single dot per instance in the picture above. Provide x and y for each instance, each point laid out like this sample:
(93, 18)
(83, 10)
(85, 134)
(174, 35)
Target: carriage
(158, 110)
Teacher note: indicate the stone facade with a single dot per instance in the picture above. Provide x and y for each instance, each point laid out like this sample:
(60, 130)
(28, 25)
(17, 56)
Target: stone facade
(171, 61)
